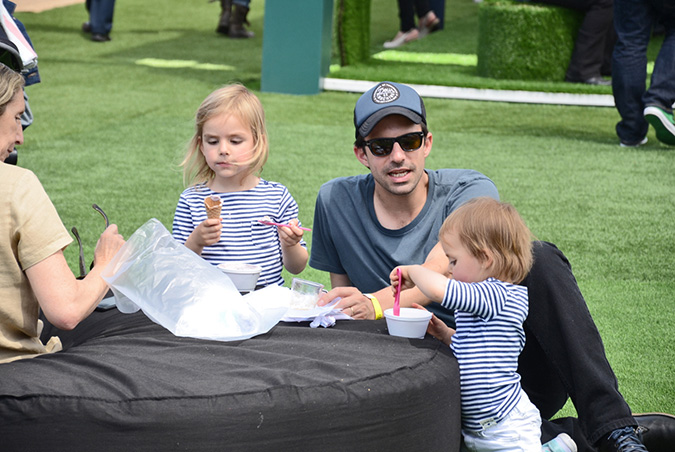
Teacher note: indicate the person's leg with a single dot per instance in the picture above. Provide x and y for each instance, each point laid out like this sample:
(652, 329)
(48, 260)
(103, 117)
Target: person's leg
(422, 7)
(407, 29)
(660, 96)
(519, 429)
(239, 19)
(406, 14)
(633, 20)
(610, 42)
(590, 44)
(101, 16)
(225, 15)
(561, 334)
(427, 19)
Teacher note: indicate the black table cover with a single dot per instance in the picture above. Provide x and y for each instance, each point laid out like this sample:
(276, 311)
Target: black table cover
(125, 383)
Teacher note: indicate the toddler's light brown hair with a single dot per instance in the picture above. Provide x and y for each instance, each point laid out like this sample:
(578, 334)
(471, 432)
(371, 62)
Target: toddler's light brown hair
(485, 223)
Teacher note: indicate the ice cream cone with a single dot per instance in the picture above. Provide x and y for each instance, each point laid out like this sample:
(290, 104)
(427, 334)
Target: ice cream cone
(213, 205)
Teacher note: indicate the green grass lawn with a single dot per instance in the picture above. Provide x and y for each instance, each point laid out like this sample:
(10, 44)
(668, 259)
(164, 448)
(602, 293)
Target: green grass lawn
(112, 121)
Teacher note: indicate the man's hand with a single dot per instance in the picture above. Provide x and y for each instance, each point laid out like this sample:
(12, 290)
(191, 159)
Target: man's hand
(352, 302)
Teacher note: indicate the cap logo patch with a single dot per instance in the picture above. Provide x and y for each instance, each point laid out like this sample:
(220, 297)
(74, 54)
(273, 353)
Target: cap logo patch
(385, 93)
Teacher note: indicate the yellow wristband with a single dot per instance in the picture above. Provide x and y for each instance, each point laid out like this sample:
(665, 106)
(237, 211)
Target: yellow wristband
(376, 305)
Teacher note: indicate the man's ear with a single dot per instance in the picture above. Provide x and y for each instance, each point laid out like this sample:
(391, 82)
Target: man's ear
(360, 154)
(428, 142)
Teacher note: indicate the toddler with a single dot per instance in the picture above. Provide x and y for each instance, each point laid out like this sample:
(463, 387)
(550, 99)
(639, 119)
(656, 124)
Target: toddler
(489, 249)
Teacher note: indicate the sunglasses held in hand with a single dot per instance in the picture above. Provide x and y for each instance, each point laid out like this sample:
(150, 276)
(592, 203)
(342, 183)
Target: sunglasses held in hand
(409, 142)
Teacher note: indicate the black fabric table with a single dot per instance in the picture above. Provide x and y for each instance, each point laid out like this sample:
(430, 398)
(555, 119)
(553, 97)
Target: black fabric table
(125, 383)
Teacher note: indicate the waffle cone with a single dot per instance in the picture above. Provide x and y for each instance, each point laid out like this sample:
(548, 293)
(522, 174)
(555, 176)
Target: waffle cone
(213, 206)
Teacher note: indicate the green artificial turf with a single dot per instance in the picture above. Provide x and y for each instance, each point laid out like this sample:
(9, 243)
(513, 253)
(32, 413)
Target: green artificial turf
(112, 120)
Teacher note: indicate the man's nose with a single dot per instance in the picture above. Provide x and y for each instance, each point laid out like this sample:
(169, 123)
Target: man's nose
(397, 153)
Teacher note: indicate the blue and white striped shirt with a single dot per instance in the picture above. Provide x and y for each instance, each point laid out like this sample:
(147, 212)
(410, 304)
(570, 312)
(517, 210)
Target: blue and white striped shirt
(489, 316)
(242, 238)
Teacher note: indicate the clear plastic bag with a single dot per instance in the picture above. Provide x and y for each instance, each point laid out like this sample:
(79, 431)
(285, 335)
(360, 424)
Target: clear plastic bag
(185, 294)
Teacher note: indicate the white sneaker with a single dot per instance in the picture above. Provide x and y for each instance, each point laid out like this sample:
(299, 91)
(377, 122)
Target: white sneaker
(623, 144)
(402, 38)
(561, 443)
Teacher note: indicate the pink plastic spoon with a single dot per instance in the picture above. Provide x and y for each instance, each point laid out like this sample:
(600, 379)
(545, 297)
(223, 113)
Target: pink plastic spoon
(271, 223)
(397, 297)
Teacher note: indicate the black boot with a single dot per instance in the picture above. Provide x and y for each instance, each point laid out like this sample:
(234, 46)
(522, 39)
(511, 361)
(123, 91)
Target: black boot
(225, 14)
(627, 439)
(237, 29)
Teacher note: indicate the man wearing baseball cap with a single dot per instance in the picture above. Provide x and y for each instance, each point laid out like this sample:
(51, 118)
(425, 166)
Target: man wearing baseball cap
(366, 225)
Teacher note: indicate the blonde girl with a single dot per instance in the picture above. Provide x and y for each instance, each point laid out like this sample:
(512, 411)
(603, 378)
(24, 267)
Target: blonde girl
(224, 160)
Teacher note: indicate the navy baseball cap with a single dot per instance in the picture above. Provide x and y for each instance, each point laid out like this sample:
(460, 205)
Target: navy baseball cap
(384, 99)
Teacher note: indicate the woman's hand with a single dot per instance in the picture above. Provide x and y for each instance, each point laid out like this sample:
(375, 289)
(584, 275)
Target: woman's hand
(107, 246)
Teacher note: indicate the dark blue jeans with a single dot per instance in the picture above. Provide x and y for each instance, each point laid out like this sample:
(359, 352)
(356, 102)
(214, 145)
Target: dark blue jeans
(407, 10)
(564, 356)
(633, 22)
(101, 15)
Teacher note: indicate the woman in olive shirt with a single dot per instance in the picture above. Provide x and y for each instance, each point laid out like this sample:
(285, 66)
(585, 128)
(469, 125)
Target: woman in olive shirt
(34, 274)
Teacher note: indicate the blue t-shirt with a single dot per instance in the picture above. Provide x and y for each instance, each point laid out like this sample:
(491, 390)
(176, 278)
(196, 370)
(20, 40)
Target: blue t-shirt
(348, 239)
(242, 238)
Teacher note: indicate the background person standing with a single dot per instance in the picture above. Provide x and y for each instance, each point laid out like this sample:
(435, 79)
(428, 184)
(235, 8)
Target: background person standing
(100, 19)
(639, 107)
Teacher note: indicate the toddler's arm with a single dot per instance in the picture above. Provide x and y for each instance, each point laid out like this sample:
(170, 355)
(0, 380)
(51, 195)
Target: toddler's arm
(437, 328)
(431, 283)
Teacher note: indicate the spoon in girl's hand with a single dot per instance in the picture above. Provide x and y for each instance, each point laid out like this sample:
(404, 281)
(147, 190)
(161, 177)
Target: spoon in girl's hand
(271, 223)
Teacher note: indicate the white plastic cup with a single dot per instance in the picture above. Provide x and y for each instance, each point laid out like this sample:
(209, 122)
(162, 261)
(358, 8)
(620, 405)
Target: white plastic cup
(305, 293)
(412, 323)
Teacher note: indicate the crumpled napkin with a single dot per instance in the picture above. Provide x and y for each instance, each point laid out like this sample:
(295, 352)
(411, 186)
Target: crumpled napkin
(324, 316)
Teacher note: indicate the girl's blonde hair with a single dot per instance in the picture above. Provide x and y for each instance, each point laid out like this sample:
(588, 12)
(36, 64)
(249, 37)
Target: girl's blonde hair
(234, 100)
(485, 223)
(11, 82)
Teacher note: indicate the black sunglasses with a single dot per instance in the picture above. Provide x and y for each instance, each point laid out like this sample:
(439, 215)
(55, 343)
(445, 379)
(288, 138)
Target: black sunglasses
(409, 142)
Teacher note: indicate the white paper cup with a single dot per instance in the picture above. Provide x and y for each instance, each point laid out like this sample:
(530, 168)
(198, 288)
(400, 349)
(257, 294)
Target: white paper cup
(412, 322)
(243, 275)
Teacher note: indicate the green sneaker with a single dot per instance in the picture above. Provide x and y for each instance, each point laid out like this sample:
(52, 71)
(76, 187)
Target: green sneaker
(663, 123)
(561, 443)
